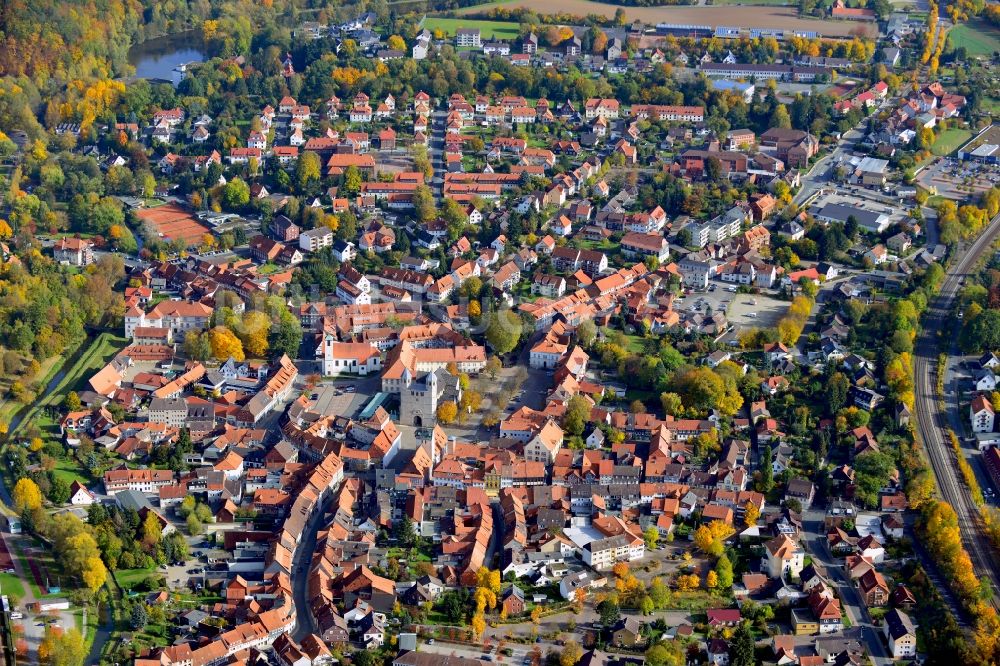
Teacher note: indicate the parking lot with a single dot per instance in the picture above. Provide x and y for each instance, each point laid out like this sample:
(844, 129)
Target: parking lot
(954, 179)
(756, 310)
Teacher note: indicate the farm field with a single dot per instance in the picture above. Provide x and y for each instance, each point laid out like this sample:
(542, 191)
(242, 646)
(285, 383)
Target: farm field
(760, 3)
(487, 29)
(978, 37)
(746, 16)
(949, 140)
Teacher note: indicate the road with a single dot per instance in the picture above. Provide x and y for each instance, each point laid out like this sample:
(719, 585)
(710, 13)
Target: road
(931, 424)
(305, 623)
(856, 610)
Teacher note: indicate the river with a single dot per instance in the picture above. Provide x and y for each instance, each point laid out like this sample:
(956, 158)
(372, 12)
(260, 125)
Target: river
(158, 58)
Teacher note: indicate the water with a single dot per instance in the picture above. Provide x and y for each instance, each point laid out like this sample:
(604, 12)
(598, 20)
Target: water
(159, 58)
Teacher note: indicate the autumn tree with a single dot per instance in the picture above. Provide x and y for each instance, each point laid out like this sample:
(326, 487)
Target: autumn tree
(447, 412)
(26, 495)
(308, 168)
(571, 654)
(61, 647)
(224, 344)
(709, 537)
(750, 514)
(254, 333)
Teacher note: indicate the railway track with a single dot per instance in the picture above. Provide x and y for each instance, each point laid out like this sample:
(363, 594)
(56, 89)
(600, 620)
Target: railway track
(932, 424)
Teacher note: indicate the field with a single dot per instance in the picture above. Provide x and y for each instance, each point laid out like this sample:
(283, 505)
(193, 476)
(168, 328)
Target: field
(774, 3)
(745, 16)
(978, 37)
(172, 222)
(949, 140)
(487, 29)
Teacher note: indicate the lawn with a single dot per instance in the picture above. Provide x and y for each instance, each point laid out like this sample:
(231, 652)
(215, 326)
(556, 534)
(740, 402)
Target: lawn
(978, 37)
(950, 140)
(487, 29)
(71, 470)
(11, 584)
(129, 578)
(100, 352)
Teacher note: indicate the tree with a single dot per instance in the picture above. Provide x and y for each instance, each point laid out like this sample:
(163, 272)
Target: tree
(224, 344)
(836, 391)
(712, 580)
(62, 647)
(651, 536)
(478, 624)
(151, 532)
(536, 614)
(139, 617)
(194, 525)
(493, 367)
(576, 416)
(571, 654)
(741, 648)
(72, 402)
(254, 333)
(646, 605)
(659, 593)
(766, 481)
(504, 331)
(308, 169)
(396, 43)
(27, 496)
(236, 194)
(709, 537)
(447, 411)
(780, 117)
(750, 514)
(586, 332)
(352, 179)
(609, 612)
(665, 653)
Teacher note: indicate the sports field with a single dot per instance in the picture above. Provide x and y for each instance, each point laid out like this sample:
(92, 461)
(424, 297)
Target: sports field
(487, 29)
(172, 222)
(746, 16)
(978, 37)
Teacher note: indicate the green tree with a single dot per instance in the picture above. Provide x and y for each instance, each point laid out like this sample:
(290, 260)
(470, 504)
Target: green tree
(576, 416)
(741, 648)
(766, 481)
(724, 570)
(836, 391)
(236, 194)
(651, 536)
(586, 332)
(665, 653)
(504, 331)
(139, 617)
(609, 612)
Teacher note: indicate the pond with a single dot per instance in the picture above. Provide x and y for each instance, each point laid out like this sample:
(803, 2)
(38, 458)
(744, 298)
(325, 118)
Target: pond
(161, 58)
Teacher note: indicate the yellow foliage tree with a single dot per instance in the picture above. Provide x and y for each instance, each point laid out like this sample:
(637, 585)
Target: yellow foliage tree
(750, 514)
(224, 344)
(254, 333)
(27, 496)
(478, 624)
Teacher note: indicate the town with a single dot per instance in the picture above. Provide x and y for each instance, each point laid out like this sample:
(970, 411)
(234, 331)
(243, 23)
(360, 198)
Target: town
(489, 335)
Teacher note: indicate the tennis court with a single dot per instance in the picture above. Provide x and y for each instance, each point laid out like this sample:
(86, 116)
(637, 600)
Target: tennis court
(171, 222)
